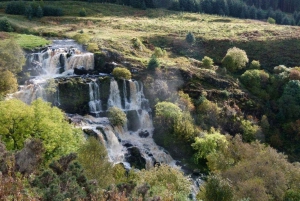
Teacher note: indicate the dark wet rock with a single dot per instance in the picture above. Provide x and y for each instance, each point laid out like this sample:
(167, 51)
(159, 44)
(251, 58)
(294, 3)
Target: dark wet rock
(135, 158)
(91, 133)
(134, 123)
(144, 134)
(127, 144)
(80, 71)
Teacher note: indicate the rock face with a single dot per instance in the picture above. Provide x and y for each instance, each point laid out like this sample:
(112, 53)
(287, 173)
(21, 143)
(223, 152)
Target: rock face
(29, 158)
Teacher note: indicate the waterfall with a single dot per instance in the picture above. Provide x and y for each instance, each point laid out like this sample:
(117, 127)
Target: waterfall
(59, 58)
(29, 93)
(95, 102)
(114, 99)
(126, 102)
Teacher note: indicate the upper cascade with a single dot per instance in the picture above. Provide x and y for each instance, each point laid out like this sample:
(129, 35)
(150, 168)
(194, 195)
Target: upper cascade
(62, 57)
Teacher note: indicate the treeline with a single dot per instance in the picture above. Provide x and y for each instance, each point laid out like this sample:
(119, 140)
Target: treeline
(234, 8)
(284, 5)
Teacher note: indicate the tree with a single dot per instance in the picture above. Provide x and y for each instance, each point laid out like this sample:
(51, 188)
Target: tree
(153, 63)
(116, 116)
(167, 112)
(11, 57)
(167, 182)
(216, 189)
(289, 107)
(190, 38)
(8, 83)
(121, 73)
(28, 12)
(235, 59)
(271, 20)
(94, 159)
(39, 12)
(207, 144)
(19, 121)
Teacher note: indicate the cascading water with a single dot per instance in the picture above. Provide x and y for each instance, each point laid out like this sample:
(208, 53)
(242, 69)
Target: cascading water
(114, 99)
(95, 102)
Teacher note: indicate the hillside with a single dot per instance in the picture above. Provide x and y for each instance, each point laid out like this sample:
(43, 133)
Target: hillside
(213, 118)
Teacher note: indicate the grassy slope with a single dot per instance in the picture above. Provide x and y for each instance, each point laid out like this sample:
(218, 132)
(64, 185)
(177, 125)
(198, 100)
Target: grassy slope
(113, 27)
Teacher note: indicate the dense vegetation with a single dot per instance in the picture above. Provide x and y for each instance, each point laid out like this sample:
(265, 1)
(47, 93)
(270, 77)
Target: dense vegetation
(223, 103)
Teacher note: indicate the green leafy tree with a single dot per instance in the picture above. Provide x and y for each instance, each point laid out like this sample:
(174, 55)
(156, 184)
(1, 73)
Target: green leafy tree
(11, 57)
(166, 182)
(271, 20)
(207, 144)
(216, 189)
(94, 159)
(190, 38)
(19, 121)
(8, 83)
(167, 112)
(121, 73)
(235, 59)
(116, 116)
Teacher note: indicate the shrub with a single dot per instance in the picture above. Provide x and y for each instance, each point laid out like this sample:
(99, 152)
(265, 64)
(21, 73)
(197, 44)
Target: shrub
(137, 44)
(81, 38)
(255, 65)
(116, 116)
(207, 62)
(92, 47)
(153, 63)
(235, 59)
(121, 73)
(82, 12)
(158, 52)
(190, 38)
(5, 25)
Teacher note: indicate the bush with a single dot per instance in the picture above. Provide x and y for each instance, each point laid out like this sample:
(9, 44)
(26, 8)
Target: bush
(5, 25)
(92, 47)
(153, 63)
(82, 12)
(190, 38)
(254, 65)
(235, 59)
(121, 73)
(207, 62)
(81, 38)
(158, 52)
(137, 44)
(116, 116)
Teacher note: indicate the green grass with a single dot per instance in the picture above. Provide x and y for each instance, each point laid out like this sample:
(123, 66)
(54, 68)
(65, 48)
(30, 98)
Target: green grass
(113, 26)
(30, 41)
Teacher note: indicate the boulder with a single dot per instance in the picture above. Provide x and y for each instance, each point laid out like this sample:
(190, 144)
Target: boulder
(80, 71)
